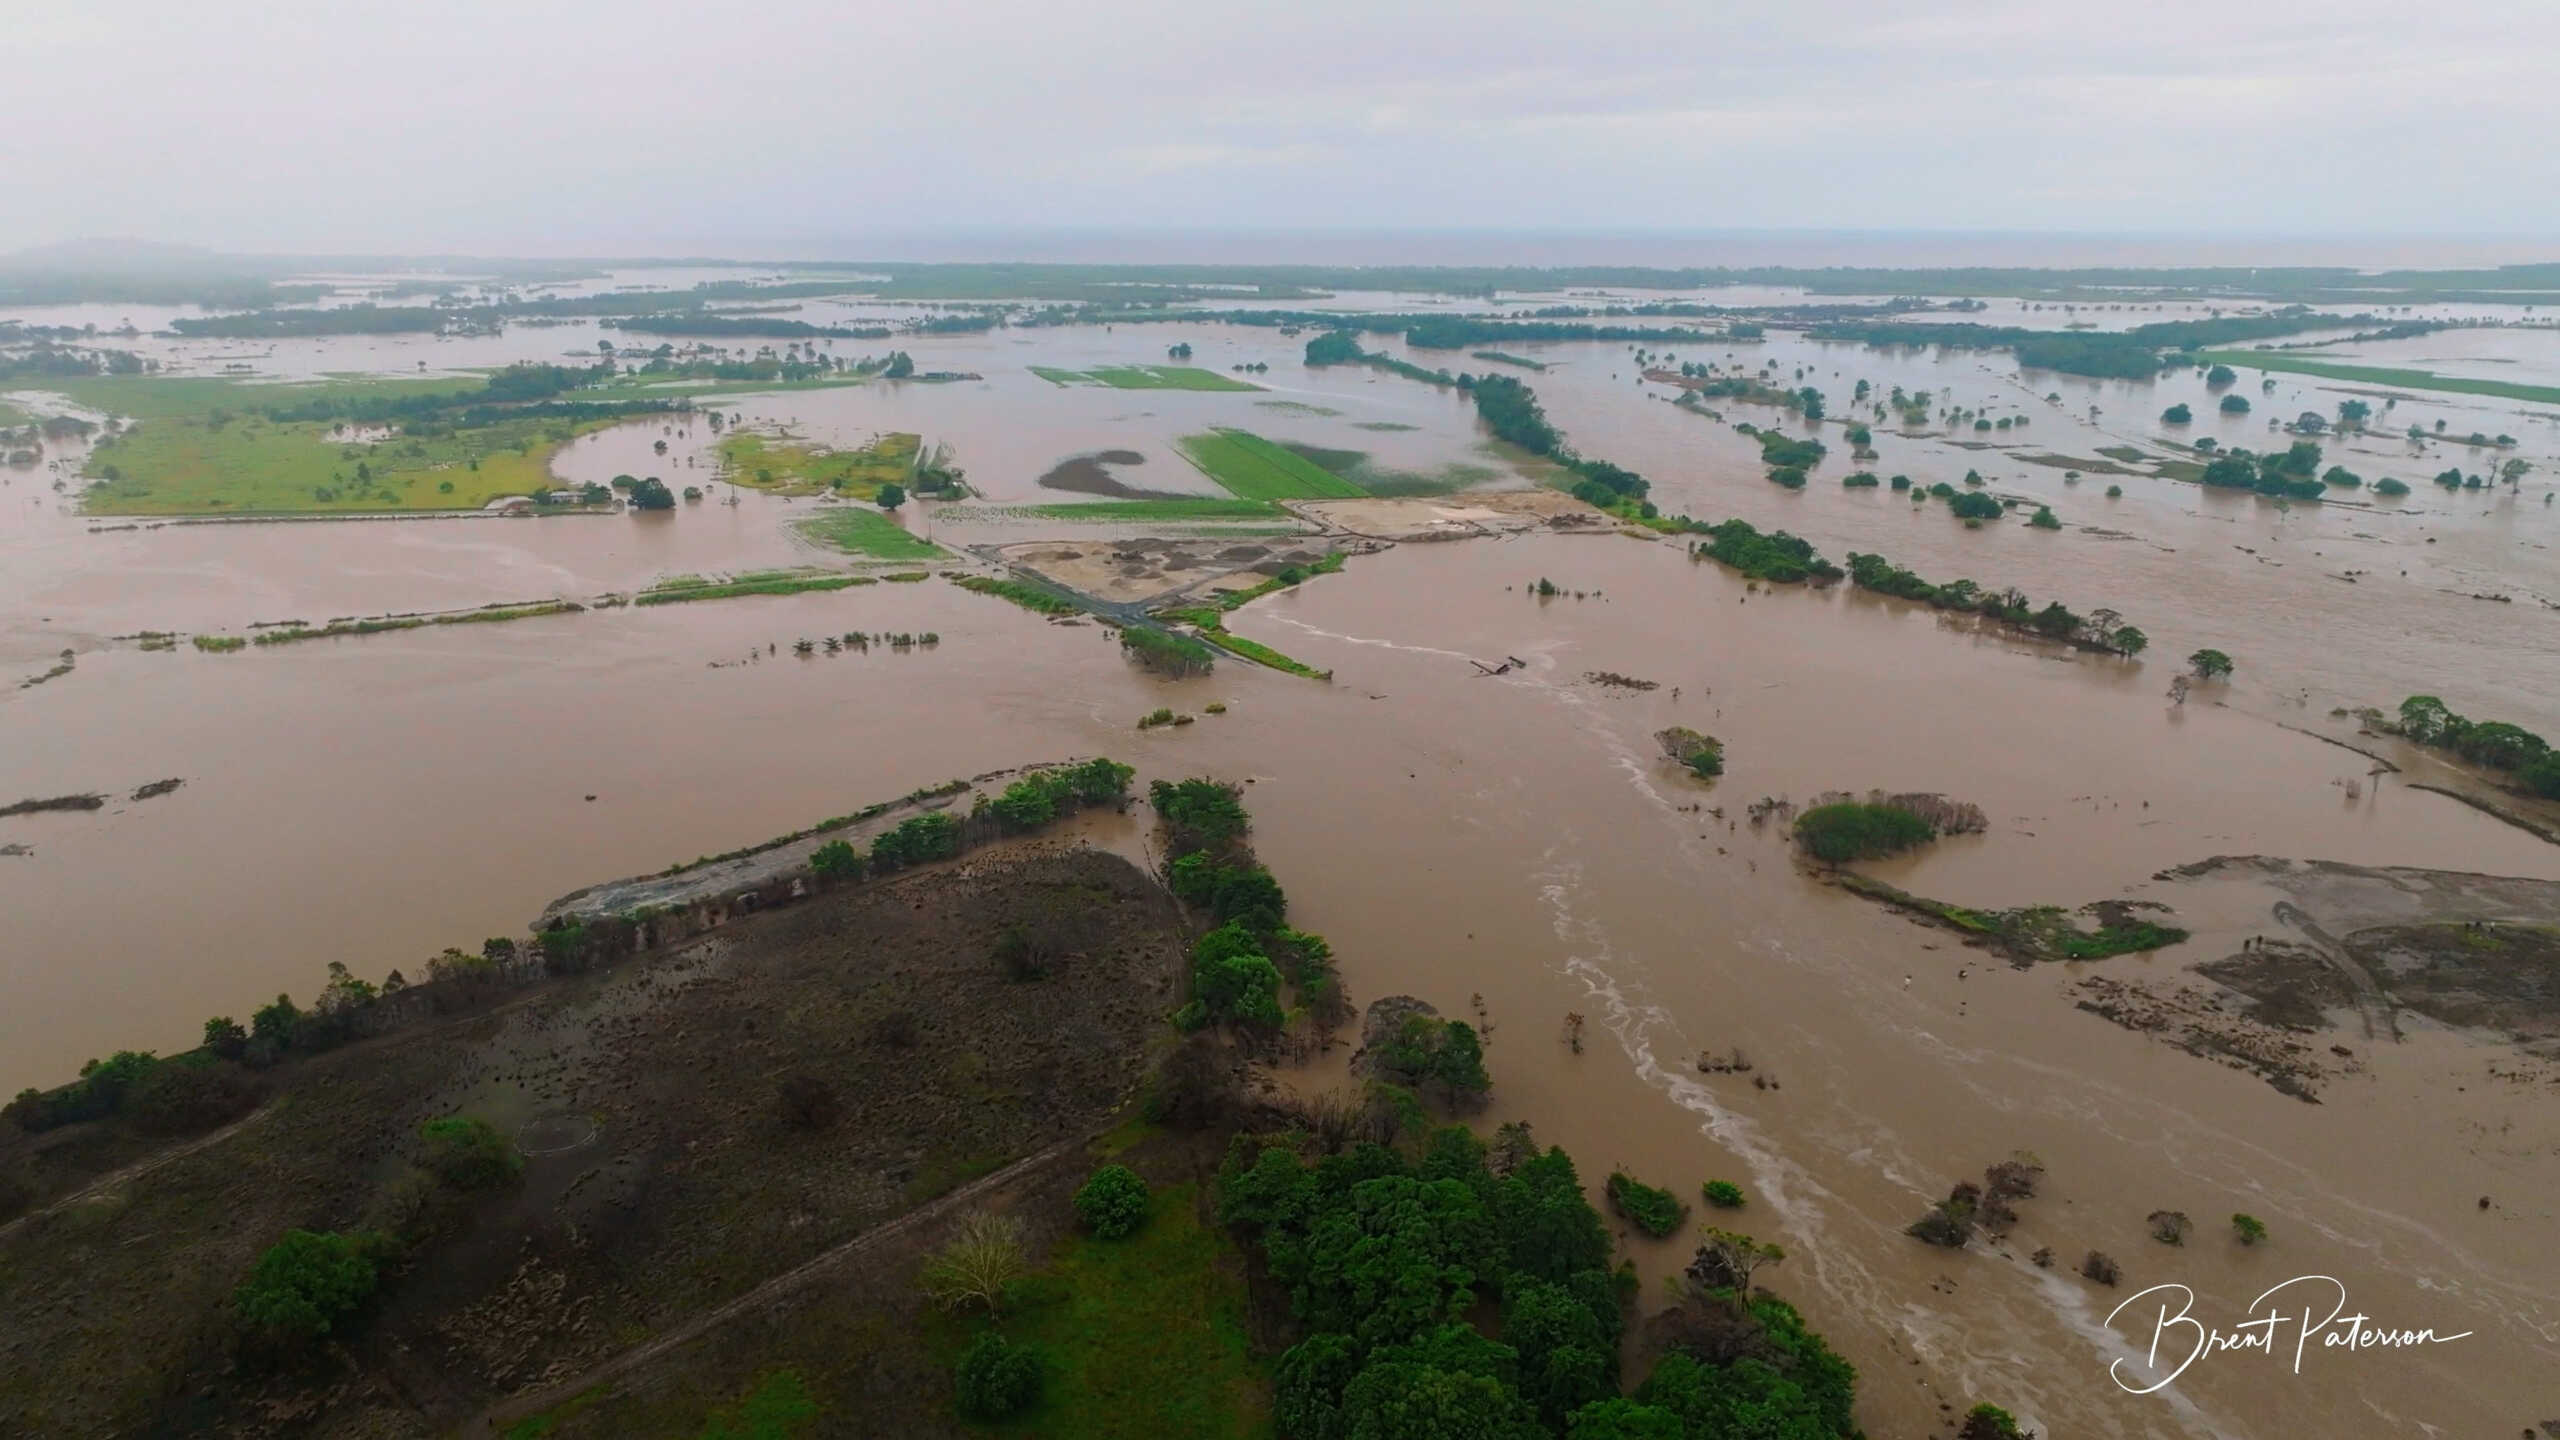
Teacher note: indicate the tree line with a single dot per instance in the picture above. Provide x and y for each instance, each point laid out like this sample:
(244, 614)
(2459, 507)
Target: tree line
(1237, 969)
(2490, 744)
(2133, 354)
(1511, 411)
(2098, 630)
(694, 323)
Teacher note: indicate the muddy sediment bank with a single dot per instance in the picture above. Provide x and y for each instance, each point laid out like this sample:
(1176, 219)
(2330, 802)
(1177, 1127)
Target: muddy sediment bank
(1145, 569)
(2476, 953)
(1474, 515)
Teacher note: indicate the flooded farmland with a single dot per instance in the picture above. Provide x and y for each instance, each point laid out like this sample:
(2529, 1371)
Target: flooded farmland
(1511, 845)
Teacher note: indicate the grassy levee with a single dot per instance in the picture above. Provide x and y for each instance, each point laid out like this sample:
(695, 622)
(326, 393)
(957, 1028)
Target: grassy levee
(1261, 654)
(1208, 616)
(1030, 597)
(380, 624)
(2027, 933)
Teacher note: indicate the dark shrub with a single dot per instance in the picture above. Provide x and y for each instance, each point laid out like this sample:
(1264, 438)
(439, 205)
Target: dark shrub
(307, 1287)
(465, 1153)
(1113, 1204)
(1655, 1212)
(1835, 834)
(1990, 1422)
(837, 860)
(1024, 953)
(996, 1380)
(225, 1037)
(1949, 1224)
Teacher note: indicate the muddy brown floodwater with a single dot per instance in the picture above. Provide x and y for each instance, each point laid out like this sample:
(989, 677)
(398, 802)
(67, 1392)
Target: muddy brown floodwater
(1512, 839)
(1521, 842)
(1513, 842)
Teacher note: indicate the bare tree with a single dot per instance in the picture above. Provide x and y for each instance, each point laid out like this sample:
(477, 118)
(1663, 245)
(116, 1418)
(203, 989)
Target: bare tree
(982, 1261)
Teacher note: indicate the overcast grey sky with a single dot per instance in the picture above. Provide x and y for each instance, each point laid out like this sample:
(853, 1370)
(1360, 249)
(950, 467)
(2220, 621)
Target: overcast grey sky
(794, 126)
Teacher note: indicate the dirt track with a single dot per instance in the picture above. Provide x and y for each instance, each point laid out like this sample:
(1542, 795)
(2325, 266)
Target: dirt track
(766, 1296)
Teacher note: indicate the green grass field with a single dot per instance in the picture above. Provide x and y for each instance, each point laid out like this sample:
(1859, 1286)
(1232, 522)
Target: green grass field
(1143, 377)
(645, 386)
(2378, 375)
(149, 397)
(1354, 467)
(250, 465)
(790, 467)
(1252, 468)
(1030, 597)
(1143, 1336)
(870, 534)
(758, 582)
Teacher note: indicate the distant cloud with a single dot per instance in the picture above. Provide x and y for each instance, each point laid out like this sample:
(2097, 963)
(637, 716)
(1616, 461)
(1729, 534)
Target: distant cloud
(1174, 159)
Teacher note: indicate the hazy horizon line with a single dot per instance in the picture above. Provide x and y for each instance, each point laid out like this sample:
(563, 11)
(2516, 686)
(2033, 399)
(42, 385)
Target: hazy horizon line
(1505, 247)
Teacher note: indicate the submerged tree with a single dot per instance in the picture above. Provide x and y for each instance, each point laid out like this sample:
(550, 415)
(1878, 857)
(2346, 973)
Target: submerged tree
(1737, 1257)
